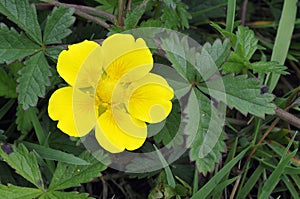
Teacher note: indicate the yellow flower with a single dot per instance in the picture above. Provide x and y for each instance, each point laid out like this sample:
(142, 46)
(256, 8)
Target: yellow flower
(110, 90)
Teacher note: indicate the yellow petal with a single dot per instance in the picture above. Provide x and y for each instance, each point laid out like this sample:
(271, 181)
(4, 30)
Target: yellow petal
(112, 138)
(150, 99)
(60, 108)
(124, 54)
(69, 61)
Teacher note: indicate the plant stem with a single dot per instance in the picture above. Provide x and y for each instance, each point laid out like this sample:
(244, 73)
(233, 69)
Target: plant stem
(94, 19)
(244, 12)
(120, 13)
(286, 116)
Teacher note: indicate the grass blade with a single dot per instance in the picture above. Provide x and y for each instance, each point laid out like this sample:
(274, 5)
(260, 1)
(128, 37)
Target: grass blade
(230, 15)
(214, 181)
(283, 39)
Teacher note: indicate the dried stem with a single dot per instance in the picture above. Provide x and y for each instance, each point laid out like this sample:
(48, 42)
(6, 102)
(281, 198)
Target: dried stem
(282, 114)
(87, 12)
(244, 12)
(120, 13)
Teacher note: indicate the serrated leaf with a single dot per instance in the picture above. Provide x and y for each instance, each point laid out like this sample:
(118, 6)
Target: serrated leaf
(53, 52)
(183, 14)
(170, 18)
(14, 46)
(52, 154)
(57, 25)
(243, 94)
(23, 162)
(151, 23)
(247, 42)
(234, 64)
(265, 67)
(16, 192)
(108, 5)
(133, 17)
(7, 85)
(225, 33)
(24, 15)
(33, 80)
(210, 137)
(170, 129)
(64, 195)
(68, 175)
(219, 50)
(23, 118)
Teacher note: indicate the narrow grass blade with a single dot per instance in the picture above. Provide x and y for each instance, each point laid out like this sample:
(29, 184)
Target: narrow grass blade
(170, 177)
(231, 5)
(290, 187)
(283, 39)
(274, 178)
(6, 107)
(214, 181)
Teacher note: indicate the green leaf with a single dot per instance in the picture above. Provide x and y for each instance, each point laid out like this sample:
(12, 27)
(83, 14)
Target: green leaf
(265, 67)
(133, 17)
(170, 18)
(234, 63)
(211, 184)
(210, 135)
(23, 119)
(7, 85)
(54, 51)
(33, 80)
(151, 23)
(246, 41)
(243, 94)
(23, 162)
(57, 25)
(63, 195)
(14, 45)
(170, 129)
(183, 14)
(52, 154)
(24, 15)
(219, 50)
(274, 178)
(68, 175)
(16, 192)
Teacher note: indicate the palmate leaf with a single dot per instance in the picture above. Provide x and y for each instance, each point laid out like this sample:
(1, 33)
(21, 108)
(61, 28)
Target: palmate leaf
(14, 45)
(210, 137)
(243, 94)
(23, 162)
(170, 129)
(16, 192)
(266, 67)
(69, 175)
(7, 85)
(33, 80)
(24, 15)
(57, 25)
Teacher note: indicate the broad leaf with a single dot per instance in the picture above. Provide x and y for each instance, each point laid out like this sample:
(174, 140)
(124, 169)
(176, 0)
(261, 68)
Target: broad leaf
(210, 137)
(265, 67)
(219, 50)
(170, 129)
(23, 119)
(24, 15)
(246, 41)
(64, 195)
(53, 52)
(7, 85)
(33, 80)
(14, 46)
(243, 94)
(23, 162)
(234, 63)
(68, 175)
(16, 192)
(57, 25)
(52, 154)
